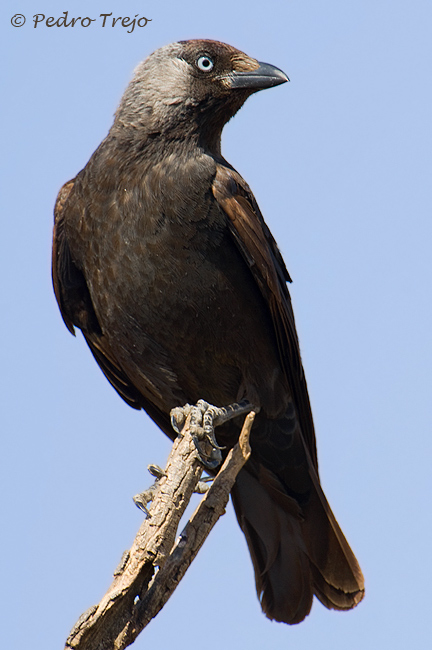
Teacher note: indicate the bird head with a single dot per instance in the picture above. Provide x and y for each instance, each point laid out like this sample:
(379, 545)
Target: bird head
(191, 89)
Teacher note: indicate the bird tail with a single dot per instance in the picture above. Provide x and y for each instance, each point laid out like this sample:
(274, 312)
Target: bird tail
(296, 552)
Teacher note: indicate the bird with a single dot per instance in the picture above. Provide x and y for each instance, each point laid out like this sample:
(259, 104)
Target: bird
(163, 260)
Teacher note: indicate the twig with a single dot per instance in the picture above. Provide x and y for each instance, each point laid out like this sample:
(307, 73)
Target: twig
(139, 591)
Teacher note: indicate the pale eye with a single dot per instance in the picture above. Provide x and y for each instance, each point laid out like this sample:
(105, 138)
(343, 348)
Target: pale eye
(205, 63)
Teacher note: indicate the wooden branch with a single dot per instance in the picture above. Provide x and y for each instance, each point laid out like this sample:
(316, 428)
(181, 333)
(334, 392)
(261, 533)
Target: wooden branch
(155, 564)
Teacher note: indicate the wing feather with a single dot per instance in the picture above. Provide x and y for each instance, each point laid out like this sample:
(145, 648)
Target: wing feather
(77, 310)
(263, 257)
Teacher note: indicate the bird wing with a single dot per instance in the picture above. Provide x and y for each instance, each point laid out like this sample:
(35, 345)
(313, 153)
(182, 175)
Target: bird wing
(264, 259)
(282, 574)
(77, 310)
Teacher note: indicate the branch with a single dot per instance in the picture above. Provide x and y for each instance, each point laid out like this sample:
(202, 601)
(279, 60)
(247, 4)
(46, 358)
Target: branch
(140, 590)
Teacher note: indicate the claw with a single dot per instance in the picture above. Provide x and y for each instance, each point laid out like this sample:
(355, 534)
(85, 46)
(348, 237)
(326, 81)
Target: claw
(156, 471)
(208, 426)
(212, 440)
(178, 417)
(144, 498)
(203, 419)
(209, 461)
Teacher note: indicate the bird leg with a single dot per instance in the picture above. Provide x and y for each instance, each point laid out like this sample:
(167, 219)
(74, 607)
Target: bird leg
(144, 498)
(204, 417)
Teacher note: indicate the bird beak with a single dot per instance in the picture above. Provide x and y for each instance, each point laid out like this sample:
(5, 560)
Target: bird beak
(265, 76)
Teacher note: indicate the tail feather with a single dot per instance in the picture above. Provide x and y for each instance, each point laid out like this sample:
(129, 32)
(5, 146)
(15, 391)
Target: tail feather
(295, 553)
(330, 596)
(277, 551)
(330, 552)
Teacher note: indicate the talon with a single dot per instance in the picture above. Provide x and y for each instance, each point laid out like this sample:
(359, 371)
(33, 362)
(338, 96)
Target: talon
(176, 423)
(210, 437)
(209, 462)
(156, 471)
(142, 500)
(178, 417)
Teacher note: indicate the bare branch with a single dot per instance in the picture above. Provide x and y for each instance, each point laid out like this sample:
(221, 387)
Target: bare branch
(156, 563)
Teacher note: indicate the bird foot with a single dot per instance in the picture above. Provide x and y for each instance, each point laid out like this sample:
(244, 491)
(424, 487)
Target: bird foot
(144, 498)
(204, 417)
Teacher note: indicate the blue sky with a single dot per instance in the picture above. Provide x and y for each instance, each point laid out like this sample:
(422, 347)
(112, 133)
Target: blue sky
(340, 163)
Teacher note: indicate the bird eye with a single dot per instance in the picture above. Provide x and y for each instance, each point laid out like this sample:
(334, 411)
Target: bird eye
(205, 63)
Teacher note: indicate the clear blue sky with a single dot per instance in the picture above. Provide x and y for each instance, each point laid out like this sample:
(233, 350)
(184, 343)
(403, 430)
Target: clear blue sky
(340, 163)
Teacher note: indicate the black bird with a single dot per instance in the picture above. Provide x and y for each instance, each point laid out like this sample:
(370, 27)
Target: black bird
(163, 260)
